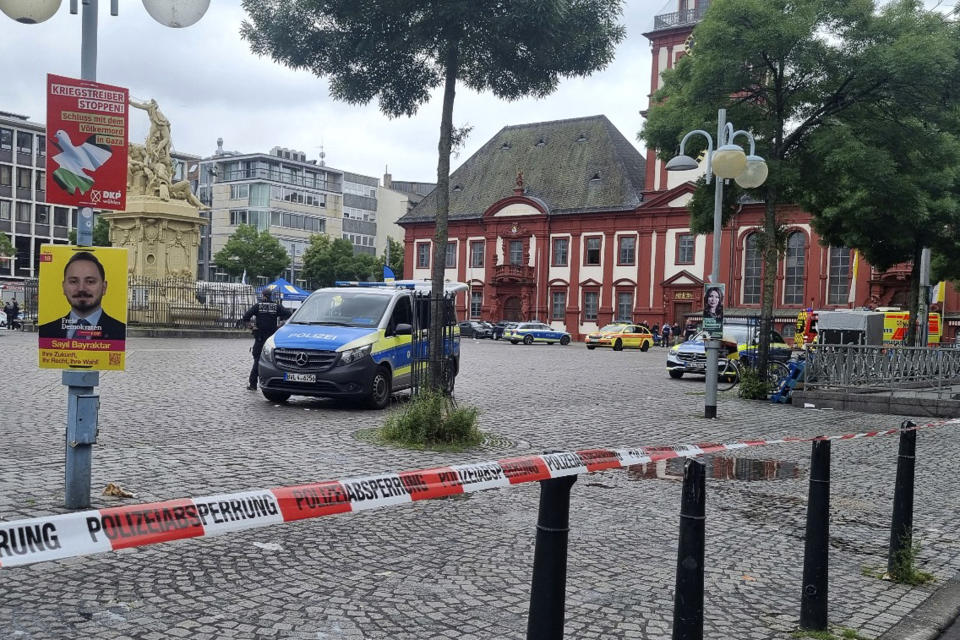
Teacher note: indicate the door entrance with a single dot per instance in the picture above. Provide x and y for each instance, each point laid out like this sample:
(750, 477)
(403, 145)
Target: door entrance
(680, 308)
(511, 310)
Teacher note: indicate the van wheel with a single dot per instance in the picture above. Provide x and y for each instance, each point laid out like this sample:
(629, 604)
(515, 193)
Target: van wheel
(645, 346)
(275, 396)
(618, 345)
(565, 340)
(379, 396)
(528, 339)
(675, 373)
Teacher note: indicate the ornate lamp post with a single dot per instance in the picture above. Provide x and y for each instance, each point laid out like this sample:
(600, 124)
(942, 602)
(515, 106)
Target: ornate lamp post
(80, 384)
(749, 171)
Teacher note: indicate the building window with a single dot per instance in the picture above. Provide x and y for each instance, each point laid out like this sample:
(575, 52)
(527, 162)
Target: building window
(591, 301)
(4, 209)
(476, 254)
(42, 214)
(592, 255)
(685, 245)
(24, 142)
(6, 175)
(476, 303)
(628, 250)
(423, 255)
(752, 270)
(516, 252)
(793, 290)
(6, 139)
(42, 145)
(239, 191)
(41, 181)
(625, 306)
(451, 257)
(839, 275)
(238, 216)
(23, 178)
(23, 212)
(60, 216)
(558, 306)
(560, 252)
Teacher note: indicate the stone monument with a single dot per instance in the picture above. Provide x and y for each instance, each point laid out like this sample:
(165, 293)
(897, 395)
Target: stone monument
(160, 228)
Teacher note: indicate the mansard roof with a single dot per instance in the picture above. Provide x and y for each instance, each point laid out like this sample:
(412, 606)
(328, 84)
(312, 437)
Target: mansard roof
(579, 165)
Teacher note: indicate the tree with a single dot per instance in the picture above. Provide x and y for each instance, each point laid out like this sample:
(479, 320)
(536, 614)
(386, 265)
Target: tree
(327, 260)
(257, 253)
(786, 69)
(395, 250)
(400, 50)
(101, 233)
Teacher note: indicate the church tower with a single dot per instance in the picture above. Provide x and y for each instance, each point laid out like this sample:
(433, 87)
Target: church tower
(670, 38)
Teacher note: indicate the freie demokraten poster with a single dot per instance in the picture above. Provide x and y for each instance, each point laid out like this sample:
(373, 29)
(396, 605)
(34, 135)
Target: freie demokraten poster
(86, 143)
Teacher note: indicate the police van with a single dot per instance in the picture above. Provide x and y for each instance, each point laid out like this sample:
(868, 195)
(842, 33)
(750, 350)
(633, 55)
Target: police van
(361, 342)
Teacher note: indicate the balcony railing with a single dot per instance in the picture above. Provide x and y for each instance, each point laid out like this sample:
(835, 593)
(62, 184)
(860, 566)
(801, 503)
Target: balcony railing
(278, 176)
(680, 18)
(513, 273)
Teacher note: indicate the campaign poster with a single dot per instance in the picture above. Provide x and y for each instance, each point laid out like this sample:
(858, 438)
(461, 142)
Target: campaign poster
(86, 143)
(82, 311)
(714, 296)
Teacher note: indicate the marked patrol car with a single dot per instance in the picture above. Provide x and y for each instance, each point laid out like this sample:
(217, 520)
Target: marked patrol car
(359, 342)
(530, 332)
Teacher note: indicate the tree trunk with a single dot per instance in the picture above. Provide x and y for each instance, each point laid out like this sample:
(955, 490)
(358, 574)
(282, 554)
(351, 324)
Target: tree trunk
(769, 276)
(914, 298)
(443, 209)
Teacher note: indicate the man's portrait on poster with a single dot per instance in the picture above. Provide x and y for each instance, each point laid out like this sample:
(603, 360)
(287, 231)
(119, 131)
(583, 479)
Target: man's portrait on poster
(84, 285)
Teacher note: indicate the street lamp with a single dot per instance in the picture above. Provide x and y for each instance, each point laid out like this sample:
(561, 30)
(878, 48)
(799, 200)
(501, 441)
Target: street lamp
(173, 13)
(748, 171)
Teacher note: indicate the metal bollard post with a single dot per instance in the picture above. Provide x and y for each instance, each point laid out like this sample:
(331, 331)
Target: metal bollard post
(82, 407)
(688, 597)
(901, 527)
(813, 603)
(549, 586)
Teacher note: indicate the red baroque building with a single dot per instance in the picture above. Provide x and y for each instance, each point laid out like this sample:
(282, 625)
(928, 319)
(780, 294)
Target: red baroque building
(566, 223)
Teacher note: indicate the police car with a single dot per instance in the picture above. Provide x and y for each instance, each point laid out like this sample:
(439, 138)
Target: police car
(530, 332)
(691, 356)
(357, 342)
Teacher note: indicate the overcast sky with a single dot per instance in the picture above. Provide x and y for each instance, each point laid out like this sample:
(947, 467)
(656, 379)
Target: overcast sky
(210, 85)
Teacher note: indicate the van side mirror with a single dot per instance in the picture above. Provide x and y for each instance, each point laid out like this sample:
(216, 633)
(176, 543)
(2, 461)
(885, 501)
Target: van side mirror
(402, 329)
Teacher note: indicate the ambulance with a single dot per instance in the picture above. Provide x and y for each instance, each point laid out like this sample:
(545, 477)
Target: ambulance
(360, 341)
(896, 323)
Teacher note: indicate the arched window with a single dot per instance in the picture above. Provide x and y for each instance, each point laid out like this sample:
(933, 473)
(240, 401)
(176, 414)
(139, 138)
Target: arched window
(839, 283)
(794, 270)
(752, 270)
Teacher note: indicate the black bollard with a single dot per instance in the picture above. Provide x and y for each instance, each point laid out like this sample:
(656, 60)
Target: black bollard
(901, 528)
(549, 587)
(688, 597)
(813, 603)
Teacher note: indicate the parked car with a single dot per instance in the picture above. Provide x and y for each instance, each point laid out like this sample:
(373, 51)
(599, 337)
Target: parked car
(619, 336)
(530, 332)
(691, 356)
(500, 327)
(474, 329)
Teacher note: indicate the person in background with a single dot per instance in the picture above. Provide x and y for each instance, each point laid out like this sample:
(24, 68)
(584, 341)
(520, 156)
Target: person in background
(665, 334)
(690, 329)
(269, 315)
(656, 333)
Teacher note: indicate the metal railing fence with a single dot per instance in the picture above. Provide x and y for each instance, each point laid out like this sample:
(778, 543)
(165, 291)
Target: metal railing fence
(859, 368)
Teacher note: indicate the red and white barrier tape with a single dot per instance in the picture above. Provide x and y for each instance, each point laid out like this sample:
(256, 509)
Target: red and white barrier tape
(97, 530)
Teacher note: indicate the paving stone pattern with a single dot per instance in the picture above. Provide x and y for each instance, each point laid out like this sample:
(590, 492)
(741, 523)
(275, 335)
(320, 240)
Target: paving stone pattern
(179, 422)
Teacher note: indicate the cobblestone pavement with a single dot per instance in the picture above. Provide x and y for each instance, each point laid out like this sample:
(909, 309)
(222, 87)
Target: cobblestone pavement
(179, 422)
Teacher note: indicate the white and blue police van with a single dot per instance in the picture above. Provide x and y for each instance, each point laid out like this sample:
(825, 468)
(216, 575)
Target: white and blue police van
(359, 341)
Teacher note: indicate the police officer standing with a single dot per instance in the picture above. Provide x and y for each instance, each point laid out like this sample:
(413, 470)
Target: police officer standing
(268, 314)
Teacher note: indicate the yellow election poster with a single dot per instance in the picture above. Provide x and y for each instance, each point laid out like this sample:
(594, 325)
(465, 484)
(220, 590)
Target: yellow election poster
(82, 315)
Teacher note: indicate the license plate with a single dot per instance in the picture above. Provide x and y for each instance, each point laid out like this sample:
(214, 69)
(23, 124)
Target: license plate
(697, 367)
(300, 377)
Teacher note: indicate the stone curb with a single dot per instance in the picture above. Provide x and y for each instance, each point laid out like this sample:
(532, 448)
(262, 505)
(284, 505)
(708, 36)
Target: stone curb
(928, 620)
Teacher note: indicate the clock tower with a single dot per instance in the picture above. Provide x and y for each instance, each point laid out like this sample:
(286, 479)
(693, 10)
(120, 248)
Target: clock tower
(671, 37)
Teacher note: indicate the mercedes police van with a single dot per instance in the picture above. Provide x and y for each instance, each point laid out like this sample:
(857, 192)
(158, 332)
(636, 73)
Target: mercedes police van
(362, 342)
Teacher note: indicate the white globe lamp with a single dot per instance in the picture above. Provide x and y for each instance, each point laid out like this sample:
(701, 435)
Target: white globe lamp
(176, 13)
(29, 11)
(729, 161)
(754, 175)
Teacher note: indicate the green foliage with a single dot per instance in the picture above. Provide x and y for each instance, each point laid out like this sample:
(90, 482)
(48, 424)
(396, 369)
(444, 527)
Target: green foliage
(701, 205)
(753, 386)
(904, 564)
(840, 633)
(327, 260)
(431, 418)
(101, 233)
(6, 247)
(257, 253)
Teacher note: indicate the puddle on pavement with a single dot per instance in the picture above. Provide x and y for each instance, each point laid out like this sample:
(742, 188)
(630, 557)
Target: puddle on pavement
(718, 468)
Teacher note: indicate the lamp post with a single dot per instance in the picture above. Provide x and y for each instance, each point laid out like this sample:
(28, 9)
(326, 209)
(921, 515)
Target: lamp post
(82, 403)
(749, 171)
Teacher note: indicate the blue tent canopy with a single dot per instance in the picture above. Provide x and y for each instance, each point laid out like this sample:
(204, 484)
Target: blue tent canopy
(286, 290)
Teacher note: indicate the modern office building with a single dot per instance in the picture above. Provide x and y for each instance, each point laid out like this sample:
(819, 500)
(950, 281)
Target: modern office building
(360, 212)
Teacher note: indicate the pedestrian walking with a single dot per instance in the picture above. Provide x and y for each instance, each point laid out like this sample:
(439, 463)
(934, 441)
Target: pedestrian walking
(665, 334)
(13, 318)
(268, 314)
(689, 330)
(656, 333)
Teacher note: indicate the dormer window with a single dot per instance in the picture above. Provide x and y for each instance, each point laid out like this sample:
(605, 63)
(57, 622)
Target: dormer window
(541, 142)
(457, 188)
(582, 138)
(595, 178)
(505, 146)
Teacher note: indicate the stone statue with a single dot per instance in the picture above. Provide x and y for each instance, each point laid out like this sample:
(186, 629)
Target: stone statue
(158, 140)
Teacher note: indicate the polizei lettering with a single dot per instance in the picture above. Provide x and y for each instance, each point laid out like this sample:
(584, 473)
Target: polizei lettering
(309, 498)
(562, 461)
(145, 522)
(375, 488)
(18, 541)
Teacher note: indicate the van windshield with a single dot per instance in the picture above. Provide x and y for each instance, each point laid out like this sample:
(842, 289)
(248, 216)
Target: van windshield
(342, 308)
